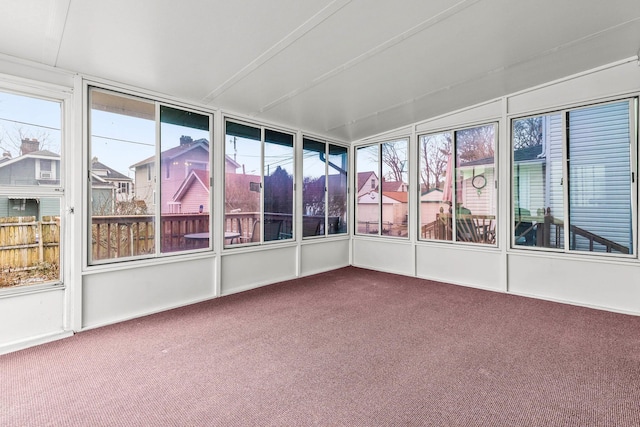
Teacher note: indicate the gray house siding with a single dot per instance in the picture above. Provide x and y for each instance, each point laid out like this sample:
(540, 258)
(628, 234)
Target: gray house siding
(600, 172)
(19, 173)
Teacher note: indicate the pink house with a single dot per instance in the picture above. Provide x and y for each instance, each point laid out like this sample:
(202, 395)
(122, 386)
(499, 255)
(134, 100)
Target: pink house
(191, 194)
(176, 165)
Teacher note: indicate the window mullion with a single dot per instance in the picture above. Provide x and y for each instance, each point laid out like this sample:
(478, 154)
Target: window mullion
(262, 163)
(380, 181)
(633, 135)
(454, 189)
(566, 184)
(157, 173)
(326, 188)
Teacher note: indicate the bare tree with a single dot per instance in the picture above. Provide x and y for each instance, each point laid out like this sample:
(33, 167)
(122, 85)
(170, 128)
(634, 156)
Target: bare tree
(11, 140)
(435, 152)
(394, 155)
(313, 195)
(242, 193)
(527, 132)
(475, 143)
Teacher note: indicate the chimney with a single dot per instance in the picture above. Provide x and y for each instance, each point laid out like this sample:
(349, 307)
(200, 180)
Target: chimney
(184, 140)
(6, 155)
(29, 146)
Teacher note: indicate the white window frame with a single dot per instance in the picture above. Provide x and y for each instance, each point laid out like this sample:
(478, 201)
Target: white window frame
(263, 128)
(62, 96)
(371, 184)
(151, 177)
(453, 130)
(327, 146)
(564, 113)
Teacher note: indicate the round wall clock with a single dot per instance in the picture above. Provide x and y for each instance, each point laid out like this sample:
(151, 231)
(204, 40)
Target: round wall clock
(479, 181)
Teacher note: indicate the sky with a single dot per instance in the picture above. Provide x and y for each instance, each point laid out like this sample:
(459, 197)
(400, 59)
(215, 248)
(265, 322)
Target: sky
(31, 118)
(120, 141)
(368, 158)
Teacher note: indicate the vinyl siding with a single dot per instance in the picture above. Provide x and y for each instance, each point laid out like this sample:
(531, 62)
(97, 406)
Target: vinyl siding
(600, 172)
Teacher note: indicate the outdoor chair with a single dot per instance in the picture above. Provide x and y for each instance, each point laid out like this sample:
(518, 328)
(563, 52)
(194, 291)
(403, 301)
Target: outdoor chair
(525, 231)
(272, 229)
(311, 226)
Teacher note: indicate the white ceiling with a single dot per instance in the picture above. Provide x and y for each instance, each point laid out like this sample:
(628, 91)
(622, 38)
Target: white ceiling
(345, 69)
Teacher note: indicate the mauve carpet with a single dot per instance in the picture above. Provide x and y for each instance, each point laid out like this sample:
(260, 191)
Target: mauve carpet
(351, 347)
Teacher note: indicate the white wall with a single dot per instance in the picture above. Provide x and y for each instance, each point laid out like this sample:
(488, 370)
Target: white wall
(606, 282)
(390, 254)
(125, 292)
(31, 318)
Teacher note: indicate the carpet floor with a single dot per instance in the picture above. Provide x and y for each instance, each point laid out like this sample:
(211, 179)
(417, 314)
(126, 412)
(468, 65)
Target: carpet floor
(350, 347)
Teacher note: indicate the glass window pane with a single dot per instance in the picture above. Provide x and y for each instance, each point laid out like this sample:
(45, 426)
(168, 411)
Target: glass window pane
(367, 196)
(313, 187)
(30, 141)
(29, 241)
(243, 183)
(436, 184)
(395, 184)
(475, 195)
(538, 203)
(184, 180)
(599, 154)
(278, 186)
(337, 189)
(122, 170)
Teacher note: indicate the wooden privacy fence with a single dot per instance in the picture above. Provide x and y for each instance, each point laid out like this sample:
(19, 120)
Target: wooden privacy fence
(27, 244)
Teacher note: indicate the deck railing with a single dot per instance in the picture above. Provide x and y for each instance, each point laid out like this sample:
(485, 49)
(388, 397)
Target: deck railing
(547, 231)
(469, 228)
(134, 235)
(118, 236)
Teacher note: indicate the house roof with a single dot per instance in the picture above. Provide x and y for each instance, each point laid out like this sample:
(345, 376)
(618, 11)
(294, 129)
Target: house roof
(372, 197)
(527, 153)
(39, 154)
(363, 178)
(479, 162)
(392, 186)
(174, 152)
(431, 190)
(42, 153)
(399, 196)
(111, 174)
(233, 163)
(521, 155)
(196, 176)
